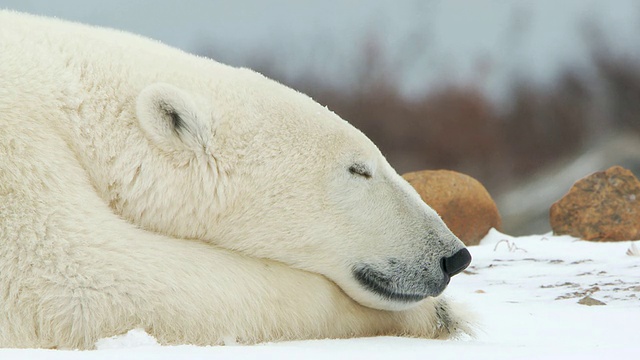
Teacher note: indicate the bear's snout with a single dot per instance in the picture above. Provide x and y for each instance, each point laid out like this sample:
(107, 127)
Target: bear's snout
(410, 282)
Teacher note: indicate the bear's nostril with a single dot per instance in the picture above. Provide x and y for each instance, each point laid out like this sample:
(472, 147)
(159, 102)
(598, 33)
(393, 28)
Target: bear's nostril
(455, 263)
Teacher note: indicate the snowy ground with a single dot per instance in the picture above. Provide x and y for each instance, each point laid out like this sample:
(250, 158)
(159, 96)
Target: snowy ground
(525, 290)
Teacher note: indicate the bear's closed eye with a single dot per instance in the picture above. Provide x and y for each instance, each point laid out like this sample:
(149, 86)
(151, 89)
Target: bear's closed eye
(361, 170)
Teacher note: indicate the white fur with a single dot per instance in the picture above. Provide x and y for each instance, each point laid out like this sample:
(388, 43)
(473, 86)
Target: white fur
(99, 194)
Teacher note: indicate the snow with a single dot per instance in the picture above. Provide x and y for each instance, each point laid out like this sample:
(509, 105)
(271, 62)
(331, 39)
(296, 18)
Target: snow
(524, 291)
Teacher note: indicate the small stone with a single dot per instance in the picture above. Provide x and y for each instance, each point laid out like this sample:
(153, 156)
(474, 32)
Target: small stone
(462, 202)
(589, 301)
(600, 207)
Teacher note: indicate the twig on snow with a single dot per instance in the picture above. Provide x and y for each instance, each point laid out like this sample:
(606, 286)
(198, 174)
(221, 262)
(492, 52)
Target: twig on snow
(633, 250)
(510, 245)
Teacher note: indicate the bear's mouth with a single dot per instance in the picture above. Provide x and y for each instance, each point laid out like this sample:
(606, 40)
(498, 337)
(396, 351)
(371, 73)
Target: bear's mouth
(385, 286)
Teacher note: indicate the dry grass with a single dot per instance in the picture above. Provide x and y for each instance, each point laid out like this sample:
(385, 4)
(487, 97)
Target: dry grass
(458, 128)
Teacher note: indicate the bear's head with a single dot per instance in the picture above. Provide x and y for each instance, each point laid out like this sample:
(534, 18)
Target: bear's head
(264, 170)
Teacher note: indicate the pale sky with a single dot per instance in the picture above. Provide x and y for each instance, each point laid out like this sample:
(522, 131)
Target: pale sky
(426, 41)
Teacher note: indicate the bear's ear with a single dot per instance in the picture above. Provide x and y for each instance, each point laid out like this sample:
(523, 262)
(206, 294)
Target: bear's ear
(171, 118)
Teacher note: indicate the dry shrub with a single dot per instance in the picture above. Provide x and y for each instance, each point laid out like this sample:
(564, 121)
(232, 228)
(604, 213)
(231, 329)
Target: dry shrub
(458, 128)
(620, 81)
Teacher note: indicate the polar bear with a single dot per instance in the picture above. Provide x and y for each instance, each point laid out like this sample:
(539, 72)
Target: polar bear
(143, 187)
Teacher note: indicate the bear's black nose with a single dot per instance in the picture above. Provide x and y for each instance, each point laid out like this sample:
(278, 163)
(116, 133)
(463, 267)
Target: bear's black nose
(457, 262)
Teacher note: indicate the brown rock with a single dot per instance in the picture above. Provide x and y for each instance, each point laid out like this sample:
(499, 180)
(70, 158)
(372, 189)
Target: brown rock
(604, 206)
(589, 301)
(462, 202)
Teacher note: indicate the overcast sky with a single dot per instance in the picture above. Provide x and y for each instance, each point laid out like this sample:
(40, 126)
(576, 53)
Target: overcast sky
(428, 41)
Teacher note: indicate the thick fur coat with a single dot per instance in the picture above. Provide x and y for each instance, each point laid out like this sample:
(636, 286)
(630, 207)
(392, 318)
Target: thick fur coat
(143, 187)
